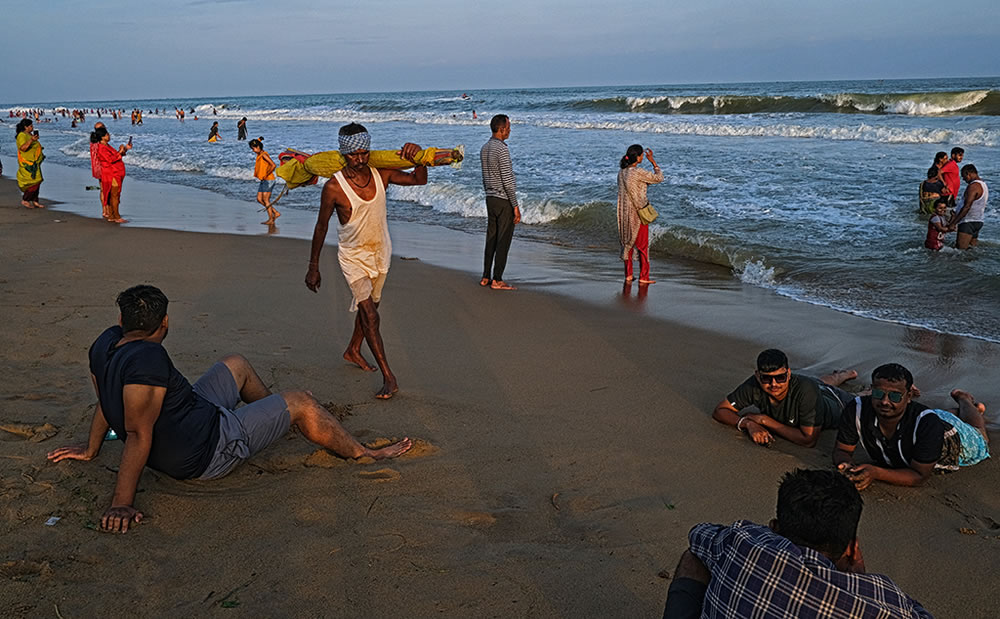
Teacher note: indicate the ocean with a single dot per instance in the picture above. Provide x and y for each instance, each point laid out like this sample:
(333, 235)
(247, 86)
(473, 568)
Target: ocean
(808, 189)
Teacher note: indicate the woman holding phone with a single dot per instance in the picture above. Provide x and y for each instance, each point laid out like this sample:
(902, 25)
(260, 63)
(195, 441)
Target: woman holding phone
(29, 163)
(112, 172)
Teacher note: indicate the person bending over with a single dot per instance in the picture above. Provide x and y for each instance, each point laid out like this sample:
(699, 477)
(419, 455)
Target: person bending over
(906, 440)
(806, 563)
(188, 431)
(793, 406)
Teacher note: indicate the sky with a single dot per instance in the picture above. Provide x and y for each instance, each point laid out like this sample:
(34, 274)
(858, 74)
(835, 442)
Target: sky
(59, 50)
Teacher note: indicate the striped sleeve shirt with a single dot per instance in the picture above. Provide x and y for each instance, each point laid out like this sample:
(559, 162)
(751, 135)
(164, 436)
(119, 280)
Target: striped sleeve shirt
(498, 174)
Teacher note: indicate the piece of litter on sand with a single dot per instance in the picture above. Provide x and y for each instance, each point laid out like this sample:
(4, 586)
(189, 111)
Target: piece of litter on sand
(408, 258)
(51, 522)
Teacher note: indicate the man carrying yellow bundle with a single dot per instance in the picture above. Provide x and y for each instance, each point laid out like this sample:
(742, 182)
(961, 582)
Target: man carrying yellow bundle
(357, 194)
(298, 168)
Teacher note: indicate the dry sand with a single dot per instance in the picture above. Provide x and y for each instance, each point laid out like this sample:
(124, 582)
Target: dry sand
(563, 449)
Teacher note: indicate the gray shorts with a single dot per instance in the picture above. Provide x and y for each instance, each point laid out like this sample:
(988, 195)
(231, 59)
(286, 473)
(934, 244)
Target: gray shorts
(243, 431)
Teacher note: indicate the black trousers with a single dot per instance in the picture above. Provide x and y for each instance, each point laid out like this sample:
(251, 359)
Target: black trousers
(499, 233)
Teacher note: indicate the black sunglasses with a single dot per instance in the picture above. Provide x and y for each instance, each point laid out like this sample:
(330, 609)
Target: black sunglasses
(894, 396)
(767, 379)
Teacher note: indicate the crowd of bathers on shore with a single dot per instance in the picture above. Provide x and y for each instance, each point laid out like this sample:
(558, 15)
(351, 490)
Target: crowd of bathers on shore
(807, 561)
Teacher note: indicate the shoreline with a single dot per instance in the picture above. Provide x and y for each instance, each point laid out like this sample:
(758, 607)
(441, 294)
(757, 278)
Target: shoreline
(569, 445)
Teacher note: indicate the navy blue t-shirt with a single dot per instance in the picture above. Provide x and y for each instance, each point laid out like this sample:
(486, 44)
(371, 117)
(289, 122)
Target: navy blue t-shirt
(187, 430)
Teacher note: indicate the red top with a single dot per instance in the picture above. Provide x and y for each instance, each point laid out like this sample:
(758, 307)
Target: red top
(934, 237)
(112, 166)
(951, 177)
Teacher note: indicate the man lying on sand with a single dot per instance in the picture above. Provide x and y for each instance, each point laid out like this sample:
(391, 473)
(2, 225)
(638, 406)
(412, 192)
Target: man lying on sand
(905, 439)
(793, 406)
(806, 563)
(188, 431)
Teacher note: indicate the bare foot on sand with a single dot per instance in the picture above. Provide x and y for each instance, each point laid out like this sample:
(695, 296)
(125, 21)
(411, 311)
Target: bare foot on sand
(388, 389)
(269, 222)
(501, 285)
(958, 395)
(647, 281)
(355, 357)
(38, 205)
(26, 204)
(389, 451)
(628, 280)
(839, 377)
(484, 281)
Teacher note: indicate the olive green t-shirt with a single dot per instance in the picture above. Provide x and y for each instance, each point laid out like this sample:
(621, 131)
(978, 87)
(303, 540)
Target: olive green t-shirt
(806, 404)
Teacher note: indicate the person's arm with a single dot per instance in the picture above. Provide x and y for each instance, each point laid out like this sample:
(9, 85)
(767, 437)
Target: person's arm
(98, 429)
(939, 224)
(142, 405)
(327, 203)
(972, 193)
(508, 182)
(270, 165)
(864, 474)
(398, 177)
(806, 436)
(657, 175)
(27, 143)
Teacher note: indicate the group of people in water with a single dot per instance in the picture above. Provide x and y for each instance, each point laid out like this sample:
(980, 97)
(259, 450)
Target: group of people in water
(939, 200)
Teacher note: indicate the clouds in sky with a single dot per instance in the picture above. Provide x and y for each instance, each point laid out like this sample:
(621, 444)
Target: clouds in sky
(109, 49)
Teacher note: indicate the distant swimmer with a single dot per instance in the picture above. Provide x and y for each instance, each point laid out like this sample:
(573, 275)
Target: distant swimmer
(263, 171)
(969, 218)
(213, 133)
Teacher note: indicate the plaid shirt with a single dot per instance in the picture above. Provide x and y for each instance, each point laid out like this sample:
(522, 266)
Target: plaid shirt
(757, 573)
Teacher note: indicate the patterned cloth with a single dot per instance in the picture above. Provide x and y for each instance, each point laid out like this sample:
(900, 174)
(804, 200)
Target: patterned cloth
(968, 448)
(350, 143)
(757, 573)
(632, 183)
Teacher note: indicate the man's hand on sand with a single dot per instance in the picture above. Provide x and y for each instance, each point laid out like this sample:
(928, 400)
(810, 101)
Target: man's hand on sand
(70, 453)
(313, 280)
(862, 475)
(759, 433)
(409, 152)
(119, 517)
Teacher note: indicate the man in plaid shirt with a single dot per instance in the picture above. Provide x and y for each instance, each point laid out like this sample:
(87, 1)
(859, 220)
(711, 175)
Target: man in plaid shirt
(806, 563)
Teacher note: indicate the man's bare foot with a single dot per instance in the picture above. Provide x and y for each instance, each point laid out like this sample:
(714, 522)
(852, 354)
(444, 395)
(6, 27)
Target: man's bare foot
(119, 221)
(839, 377)
(26, 204)
(38, 205)
(647, 281)
(390, 451)
(268, 222)
(499, 284)
(958, 395)
(484, 281)
(276, 214)
(388, 389)
(356, 358)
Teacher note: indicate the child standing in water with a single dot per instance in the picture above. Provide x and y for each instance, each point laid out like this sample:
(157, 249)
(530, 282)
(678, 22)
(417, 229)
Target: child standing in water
(937, 227)
(263, 170)
(213, 133)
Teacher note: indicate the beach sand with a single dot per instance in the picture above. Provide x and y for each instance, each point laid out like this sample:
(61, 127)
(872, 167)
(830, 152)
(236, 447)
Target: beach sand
(564, 449)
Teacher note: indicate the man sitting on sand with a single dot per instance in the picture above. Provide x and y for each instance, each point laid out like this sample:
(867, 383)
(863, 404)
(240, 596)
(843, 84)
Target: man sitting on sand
(806, 563)
(906, 440)
(188, 431)
(793, 406)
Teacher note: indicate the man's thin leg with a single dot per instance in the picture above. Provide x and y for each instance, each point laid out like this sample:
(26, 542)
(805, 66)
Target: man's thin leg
(505, 234)
(838, 377)
(368, 314)
(248, 383)
(491, 239)
(319, 426)
(686, 595)
(970, 412)
(963, 240)
(353, 352)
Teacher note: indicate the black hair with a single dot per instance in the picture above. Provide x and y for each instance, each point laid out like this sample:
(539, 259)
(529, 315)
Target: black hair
(940, 155)
(944, 201)
(97, 134)
(143, 308)
(970, 168)
(352, 129)
(958, 150)
(893, 372)
(819, 510)
(498, 122)
(257, 142)
(631, 155)
(23, 125)
(932, 171)
(771, 360)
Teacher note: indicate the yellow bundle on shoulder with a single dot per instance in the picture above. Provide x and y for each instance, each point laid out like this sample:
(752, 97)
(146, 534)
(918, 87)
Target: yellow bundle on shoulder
(298, 168)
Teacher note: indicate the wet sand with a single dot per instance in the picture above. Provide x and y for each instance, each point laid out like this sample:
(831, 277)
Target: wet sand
(564, 448)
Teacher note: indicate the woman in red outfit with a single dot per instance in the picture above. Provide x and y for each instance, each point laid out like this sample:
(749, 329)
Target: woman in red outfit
(634, 235)
(112, 172)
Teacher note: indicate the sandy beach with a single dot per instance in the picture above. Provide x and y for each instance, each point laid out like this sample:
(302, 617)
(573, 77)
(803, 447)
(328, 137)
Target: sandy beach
(564, 448)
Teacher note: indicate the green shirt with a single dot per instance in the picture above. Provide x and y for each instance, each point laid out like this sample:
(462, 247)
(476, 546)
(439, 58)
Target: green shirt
(805, 404)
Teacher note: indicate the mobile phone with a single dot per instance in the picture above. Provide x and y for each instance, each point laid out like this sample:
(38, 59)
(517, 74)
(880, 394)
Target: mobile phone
(35, 133)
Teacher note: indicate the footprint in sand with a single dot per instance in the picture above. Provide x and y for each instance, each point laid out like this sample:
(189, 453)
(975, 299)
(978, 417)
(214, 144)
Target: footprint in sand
(475, 519)
(380, 475)
(420, 448)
